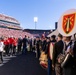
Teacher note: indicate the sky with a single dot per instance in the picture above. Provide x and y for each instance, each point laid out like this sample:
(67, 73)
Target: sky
(47, 11)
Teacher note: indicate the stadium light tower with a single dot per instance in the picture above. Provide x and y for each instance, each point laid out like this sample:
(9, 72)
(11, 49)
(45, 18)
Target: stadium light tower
(35, 21)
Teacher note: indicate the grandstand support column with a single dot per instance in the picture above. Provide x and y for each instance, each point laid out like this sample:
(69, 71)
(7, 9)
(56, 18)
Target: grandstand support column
(35, 21)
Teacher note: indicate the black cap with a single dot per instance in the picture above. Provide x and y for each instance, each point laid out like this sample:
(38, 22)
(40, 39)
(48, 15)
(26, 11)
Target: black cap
(47, 37)
(53, 36)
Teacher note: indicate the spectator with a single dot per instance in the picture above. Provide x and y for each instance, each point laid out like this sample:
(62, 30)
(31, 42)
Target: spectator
(19, 45)
(1, 50)
(25, 44)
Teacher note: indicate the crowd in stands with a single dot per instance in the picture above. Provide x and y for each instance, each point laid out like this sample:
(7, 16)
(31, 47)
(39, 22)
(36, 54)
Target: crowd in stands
(11, 32)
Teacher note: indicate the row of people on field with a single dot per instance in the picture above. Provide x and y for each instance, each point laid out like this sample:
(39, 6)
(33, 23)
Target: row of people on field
(52, 47)
(10, 46)
(55, 46)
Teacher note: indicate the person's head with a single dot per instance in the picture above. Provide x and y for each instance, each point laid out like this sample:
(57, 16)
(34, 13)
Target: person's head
(37, 38)
(67, 38)
(59, 37)
(53, 37)
(47, 39)
(20, 37)
(28, 37)
(43, 36)
(5, 38)
(25, 36)
(1, 39)
(40, 38)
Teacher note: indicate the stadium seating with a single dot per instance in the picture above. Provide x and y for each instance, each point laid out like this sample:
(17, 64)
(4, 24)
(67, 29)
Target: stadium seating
(38, 32)
(15, 33)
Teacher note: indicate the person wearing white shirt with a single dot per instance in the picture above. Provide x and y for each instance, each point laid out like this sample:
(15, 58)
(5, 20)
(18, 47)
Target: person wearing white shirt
(1, 50)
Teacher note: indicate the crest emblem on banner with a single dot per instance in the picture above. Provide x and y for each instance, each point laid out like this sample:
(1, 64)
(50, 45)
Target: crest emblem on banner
(67, 23)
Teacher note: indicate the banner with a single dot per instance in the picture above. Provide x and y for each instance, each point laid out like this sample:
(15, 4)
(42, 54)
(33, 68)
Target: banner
(67, 23)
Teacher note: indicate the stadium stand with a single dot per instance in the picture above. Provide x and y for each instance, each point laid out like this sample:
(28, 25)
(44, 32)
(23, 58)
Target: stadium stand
(11, 27)
(37, 32)
(11, 32)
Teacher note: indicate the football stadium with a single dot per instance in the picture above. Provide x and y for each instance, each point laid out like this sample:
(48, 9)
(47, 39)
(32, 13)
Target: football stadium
(9, 26)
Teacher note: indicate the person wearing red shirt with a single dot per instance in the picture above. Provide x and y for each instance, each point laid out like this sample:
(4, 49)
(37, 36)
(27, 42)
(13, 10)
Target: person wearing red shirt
(10, 39)
(6, 43)
(14, 45)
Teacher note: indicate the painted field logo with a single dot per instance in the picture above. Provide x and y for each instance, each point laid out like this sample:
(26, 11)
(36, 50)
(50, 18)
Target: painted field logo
(68, 23)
